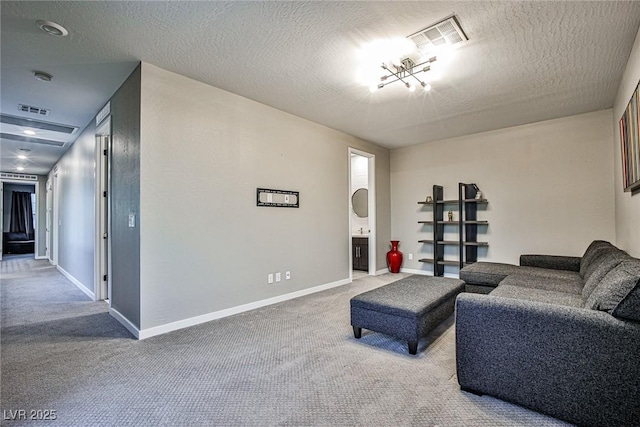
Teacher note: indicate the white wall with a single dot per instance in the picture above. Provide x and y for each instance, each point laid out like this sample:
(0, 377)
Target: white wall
(359, 179)
(627, 205)
(204, 245)
(76, 184)
(548, 185)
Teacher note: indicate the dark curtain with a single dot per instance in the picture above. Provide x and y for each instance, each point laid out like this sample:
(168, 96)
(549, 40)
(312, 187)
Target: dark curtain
(21, 213)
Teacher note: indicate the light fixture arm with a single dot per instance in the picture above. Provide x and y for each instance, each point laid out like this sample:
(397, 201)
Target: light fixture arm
(403, 72)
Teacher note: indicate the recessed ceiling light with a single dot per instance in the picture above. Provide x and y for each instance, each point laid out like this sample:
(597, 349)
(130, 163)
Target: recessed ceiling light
(22, 156)
(42, 76)
(20, 168)
(29, 132)
(52, 28)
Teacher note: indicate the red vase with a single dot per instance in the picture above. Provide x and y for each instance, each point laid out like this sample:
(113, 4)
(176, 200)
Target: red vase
(394, 257)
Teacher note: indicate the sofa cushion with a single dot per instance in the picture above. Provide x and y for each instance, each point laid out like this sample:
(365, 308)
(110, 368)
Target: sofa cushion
(537, 295)
(618, 292)
(599, 269)
(569, 285)
(487, 273)
(554, 262)
(572, 276)
(593, 252)
(603, 254)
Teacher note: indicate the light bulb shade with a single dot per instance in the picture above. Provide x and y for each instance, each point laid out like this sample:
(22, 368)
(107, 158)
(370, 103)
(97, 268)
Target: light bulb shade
(42, 76)
(412, 88)
(52, 28)
(426, 86)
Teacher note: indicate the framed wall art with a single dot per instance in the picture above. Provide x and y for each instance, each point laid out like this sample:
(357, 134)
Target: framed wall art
(630, 143)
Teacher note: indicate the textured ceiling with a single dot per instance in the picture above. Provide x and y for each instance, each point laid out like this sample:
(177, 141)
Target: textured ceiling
(524, 61)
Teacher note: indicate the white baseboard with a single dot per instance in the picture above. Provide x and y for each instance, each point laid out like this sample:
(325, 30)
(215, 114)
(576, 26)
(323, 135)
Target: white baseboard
(76, 282)
(125, 322)
(383, 271)
(41, 257)
(192, 321)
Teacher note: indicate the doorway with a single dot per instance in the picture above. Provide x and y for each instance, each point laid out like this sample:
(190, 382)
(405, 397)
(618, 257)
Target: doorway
(362, 213)
(102, 282)
(19, 238)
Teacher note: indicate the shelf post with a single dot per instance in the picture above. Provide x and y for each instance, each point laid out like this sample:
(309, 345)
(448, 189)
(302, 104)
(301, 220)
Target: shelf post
(438, 230)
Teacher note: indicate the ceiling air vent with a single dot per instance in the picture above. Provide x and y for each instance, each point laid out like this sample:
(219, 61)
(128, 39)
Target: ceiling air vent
(7, 175)
(447, 31)
(33, 110)
(31, 123)
(29, 140)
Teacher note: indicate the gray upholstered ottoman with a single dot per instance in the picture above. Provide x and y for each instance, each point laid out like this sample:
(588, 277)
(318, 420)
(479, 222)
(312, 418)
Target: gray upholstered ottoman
(407, 309)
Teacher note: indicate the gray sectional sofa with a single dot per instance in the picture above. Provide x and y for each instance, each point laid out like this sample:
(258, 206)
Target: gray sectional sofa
(560, 335)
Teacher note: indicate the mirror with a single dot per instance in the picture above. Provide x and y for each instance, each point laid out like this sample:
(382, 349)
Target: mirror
(360, 202)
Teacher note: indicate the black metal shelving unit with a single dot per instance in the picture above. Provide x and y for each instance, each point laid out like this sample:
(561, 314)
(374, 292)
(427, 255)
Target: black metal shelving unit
(467, 225)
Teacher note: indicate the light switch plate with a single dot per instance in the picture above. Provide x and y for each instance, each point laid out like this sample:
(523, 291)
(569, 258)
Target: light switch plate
(132, 220)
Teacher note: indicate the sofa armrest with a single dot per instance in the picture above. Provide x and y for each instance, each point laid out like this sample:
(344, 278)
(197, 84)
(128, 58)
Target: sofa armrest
(553, 262)
(575, 364)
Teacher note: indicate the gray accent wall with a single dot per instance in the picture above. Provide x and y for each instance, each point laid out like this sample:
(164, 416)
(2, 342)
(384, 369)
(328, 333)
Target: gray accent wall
(548, 185)
(627, 205)
(204, 244)
(125, 199)
(76, 193)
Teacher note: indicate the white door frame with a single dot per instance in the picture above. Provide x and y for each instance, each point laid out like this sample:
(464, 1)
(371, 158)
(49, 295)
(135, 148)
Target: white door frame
(102, 263)
(56, 218)
(371, 174)
(36, 226)
(48, 218)
(1, 218)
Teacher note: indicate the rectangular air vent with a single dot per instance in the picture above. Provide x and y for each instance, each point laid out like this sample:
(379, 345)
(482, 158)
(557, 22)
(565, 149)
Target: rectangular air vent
(30, 140)
(447, 31)
(31, 123)
(33, 110)
(8, 175)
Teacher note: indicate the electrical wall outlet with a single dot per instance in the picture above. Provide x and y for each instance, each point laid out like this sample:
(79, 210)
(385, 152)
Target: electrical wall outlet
(278, 277)
(287, 275)
(270, 278)
(410, 256)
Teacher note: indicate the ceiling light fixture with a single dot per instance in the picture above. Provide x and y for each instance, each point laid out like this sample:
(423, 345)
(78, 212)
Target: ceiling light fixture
(404, 59)
(22, 157)
(20, 168)
(52, 28)
(406, 73)
(28, 132)
(42, 76)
